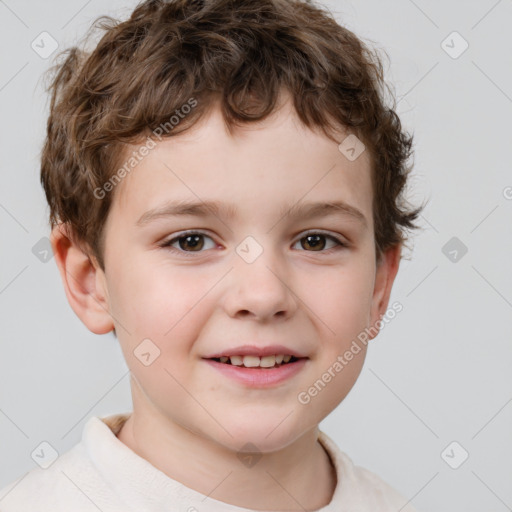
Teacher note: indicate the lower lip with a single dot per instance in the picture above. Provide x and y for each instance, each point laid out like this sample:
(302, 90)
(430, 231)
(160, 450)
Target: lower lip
(259, 377)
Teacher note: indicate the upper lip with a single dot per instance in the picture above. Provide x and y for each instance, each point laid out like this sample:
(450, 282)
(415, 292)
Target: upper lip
(254, 350)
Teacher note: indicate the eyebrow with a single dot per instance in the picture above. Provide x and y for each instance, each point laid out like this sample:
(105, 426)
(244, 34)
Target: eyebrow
(215, 208)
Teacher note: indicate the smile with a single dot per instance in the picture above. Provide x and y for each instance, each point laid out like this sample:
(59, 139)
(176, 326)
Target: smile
(257, 376)
(257, 362)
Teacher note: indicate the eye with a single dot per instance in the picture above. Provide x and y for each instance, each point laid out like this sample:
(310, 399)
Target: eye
(314, 239)
(193, 240)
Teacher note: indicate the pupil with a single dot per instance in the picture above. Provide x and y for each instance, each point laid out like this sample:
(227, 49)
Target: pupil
(315, 239)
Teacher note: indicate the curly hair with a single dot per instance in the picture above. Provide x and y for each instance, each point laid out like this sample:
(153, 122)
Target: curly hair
(240, 53)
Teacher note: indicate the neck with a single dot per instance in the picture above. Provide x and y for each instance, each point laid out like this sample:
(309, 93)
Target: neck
(279, 480)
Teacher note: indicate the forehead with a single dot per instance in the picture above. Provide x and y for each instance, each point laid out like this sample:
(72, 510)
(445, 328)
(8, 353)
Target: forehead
(262, 167)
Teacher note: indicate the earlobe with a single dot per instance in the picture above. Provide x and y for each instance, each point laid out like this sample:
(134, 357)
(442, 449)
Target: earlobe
(84, 282)
(387, 269)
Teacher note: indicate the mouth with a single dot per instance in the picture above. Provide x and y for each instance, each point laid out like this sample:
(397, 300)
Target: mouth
(258, 372)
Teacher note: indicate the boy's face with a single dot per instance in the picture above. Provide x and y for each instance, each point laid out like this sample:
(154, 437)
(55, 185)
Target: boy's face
(254, 278)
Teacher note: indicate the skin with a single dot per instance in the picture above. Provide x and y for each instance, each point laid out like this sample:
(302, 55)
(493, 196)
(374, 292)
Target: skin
(188, 419)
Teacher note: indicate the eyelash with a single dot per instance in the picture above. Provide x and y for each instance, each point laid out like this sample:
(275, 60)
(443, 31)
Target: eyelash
(167, 244)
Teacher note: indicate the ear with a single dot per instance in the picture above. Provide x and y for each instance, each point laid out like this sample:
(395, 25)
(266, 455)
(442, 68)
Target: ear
(387, 268)
(84, 281)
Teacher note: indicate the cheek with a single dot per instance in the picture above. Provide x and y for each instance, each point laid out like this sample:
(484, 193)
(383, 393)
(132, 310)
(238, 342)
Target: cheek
(342, 301)
(168, 306)
(163, 313)
(149, 297)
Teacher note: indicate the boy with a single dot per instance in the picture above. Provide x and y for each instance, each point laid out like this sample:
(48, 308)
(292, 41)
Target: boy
(225, 188)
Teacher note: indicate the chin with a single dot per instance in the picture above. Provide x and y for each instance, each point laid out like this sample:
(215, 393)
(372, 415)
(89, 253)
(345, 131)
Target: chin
(268, 436)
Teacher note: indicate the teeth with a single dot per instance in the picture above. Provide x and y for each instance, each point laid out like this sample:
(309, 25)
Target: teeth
(251, 361)
(255, 361)
(267, 361)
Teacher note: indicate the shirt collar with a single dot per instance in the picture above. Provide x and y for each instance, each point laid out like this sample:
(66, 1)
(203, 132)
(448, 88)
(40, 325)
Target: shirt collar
(141, 486)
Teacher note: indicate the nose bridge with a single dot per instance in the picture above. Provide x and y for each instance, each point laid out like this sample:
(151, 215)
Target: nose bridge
(258, 283)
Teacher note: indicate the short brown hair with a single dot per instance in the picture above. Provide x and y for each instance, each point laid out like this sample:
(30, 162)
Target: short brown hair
(241, 53)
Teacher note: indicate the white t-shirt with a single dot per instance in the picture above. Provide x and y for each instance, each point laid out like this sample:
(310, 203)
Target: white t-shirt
(102, 474)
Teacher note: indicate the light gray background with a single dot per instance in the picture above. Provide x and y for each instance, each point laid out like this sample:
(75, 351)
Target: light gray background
(440, 372)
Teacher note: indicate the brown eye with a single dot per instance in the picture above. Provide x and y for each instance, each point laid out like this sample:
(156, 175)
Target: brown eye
(195, 242)
(188, 243)
(316, 242)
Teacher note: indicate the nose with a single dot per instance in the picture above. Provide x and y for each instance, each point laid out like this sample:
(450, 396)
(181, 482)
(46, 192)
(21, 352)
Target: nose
(260, 290)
